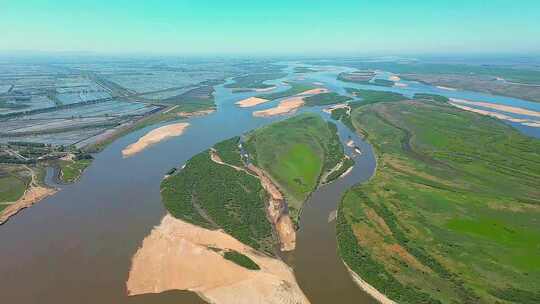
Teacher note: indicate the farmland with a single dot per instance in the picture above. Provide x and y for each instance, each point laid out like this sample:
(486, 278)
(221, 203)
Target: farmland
(451, 214)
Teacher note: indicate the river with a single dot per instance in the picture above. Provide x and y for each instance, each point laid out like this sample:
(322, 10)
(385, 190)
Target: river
(76, 246)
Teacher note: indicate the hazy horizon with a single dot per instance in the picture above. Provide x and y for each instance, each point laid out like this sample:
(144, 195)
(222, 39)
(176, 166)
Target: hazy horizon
(282, 28)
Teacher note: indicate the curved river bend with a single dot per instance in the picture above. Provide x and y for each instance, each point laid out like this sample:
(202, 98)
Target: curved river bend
(76, 246)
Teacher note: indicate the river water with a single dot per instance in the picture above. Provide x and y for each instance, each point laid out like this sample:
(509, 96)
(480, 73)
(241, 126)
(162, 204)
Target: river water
(76, 246)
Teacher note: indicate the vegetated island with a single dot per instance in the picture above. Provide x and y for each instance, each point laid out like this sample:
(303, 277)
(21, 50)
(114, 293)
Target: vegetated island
(255, 81)
(451, 213)
(365, 78)
(229, 214)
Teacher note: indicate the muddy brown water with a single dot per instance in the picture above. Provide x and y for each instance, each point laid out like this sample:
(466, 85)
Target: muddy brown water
(76, 246)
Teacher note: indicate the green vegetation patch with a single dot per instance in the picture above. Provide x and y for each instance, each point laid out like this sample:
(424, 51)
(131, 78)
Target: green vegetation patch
(228, 151)
(217, 196)
(255, 81)
(241, 260)
(434, 97)
(372, 96)
(451, 214)
(71, 170)
(14, 180)
(324, 99)
(296, 152)
(296, 88)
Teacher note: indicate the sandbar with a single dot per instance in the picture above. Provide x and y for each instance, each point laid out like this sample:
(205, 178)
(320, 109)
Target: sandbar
(499, 107)
(530, 123)
(154, 137)
(446, 88)
(251, 102)
(394, 78)
(31, 196)
(180, 256)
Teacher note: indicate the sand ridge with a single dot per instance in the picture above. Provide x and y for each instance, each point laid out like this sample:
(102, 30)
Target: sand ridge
(499, 107)
(177, 256)
(290, 104)
(527, 122)
(251, 102)
(154, 137)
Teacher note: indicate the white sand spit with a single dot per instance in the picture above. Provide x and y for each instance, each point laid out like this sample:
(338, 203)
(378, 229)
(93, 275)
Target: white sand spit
(155, 136)
(251, 102)
(499, 107)
(530, 123)
(286, 106)
(446, 88)
(176, 256)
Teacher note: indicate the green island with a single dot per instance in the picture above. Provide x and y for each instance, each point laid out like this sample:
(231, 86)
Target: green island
(325, 99)
(216, 190)
(255, 80)
(296, 88)
(240, 259)
(213, 195)
(451, 215)
(297, 153)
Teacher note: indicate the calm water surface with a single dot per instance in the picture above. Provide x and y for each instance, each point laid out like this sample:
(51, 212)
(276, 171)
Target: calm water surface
(76, 246)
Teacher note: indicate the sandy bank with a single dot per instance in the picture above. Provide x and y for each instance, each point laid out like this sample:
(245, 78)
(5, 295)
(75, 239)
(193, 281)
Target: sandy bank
(154, 137)
(196, 113)
(290, 104)
(446, 88)
(372, 291)
(251, 102)
(31, 196)
(394, 78)
(499, 107)
(286, 106)
(313, 92)
(266, 89)
(400, 85)
(527, 122)
(177, 256)
(277, 211)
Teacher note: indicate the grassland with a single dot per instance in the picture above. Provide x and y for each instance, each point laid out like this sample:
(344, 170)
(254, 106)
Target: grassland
(324, 99)
(451, 215)
(296, 88)
(372, 96)
(71, 170)
(213, 195)
(14, 179)
(296, 152)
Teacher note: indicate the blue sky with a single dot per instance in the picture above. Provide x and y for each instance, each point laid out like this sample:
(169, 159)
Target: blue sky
(272, 27)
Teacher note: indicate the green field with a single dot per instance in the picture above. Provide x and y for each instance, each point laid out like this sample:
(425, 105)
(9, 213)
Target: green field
(217, 196)
(14, 180)
(325, 99)
(451, 215)
(296, 152)
(296, 88)
(71, 171)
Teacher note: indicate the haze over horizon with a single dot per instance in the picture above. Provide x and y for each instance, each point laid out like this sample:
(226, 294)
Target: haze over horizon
(272, 28)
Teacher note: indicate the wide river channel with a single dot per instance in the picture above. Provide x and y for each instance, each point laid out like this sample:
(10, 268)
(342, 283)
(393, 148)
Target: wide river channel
(76, 246)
